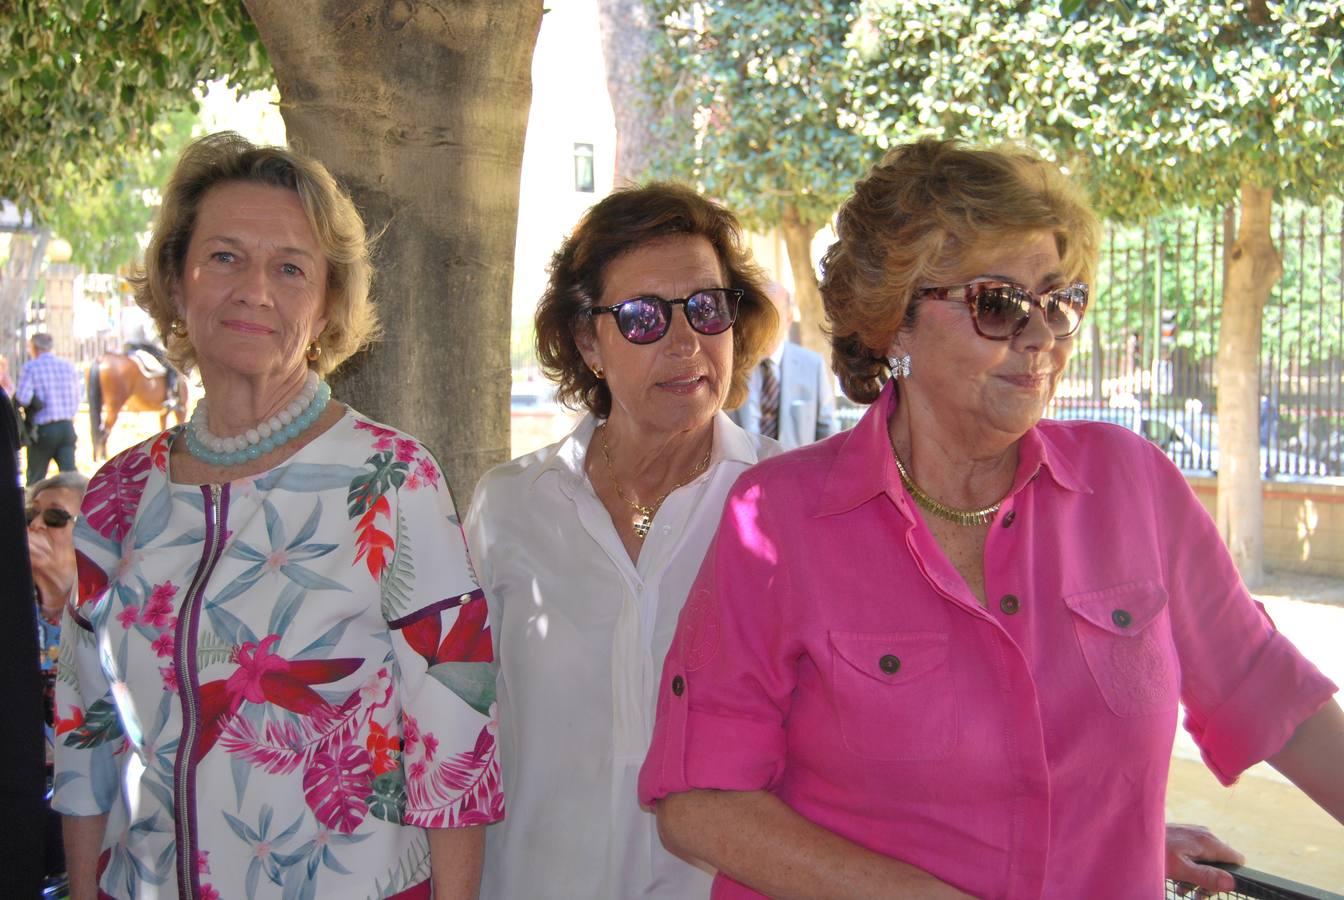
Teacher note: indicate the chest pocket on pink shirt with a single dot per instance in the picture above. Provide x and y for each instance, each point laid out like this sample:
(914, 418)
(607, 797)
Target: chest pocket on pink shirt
(1125, 640)
(893, 694)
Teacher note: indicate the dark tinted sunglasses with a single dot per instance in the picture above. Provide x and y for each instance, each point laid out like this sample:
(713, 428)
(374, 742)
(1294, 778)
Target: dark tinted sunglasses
(643, 320)
(52, 516)
(1000, 310)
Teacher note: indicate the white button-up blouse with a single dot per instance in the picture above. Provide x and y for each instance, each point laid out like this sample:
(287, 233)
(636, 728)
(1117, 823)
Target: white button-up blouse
(580, 634)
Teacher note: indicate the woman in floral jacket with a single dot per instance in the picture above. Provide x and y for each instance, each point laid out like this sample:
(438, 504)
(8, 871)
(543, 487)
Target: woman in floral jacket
(276, 681)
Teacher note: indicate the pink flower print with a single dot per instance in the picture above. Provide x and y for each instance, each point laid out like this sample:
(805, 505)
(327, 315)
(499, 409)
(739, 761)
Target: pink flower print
(163, 644)
(127, 562)
(413, 482)
(377, 691)
(406, 449)
(254, 662)
(375, 429)
(410, 733)
(428, 471)
(431, 745)
(169, 675)
(383, 435)
(418, 769)
(128, 616)
(277, 559)
(202, 862)
(158, 612)
(208, 892)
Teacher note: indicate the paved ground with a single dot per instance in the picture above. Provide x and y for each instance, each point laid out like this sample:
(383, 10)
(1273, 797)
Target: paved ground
(1262, 815)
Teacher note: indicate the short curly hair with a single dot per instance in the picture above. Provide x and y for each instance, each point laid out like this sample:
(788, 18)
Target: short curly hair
(912, 221)
(619, 223)
(225, 158)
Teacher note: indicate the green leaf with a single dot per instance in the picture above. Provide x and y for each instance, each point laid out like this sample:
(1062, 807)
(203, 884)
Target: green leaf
(365, 489)
(388, 800)
(399, 575)
(473, 682)
(101, 725)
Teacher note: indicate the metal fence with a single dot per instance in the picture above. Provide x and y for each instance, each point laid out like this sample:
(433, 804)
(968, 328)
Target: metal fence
(1253, 885)
(1145, 356)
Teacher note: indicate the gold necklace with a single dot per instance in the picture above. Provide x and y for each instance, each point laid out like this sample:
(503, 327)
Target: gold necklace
(941, 510)
(646, 513)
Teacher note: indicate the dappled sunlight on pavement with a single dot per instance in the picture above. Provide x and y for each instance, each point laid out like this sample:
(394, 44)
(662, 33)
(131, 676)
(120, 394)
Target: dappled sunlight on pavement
(1263, 815)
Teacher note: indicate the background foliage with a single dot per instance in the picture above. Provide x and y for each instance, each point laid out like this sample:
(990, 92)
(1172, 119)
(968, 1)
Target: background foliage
(1155, 104)
(769, 81)
(86, 84)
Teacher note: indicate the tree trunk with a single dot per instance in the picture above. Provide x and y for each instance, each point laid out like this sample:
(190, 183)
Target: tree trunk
(419, 108)
(626, 44)
(798, 237)
(1253, 267)
(27, 249)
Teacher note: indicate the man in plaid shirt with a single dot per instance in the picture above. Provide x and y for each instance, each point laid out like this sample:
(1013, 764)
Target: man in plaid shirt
(56, 383)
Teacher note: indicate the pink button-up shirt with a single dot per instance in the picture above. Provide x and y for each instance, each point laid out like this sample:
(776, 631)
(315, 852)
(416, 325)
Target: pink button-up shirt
(830, 653)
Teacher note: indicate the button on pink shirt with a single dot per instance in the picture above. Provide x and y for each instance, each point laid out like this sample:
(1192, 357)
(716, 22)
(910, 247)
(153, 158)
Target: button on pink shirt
(829, 653)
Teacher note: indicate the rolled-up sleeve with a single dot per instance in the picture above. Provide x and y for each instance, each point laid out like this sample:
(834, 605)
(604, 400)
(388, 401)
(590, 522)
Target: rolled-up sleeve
(730, 674)
(445, 684)
(1244, 685)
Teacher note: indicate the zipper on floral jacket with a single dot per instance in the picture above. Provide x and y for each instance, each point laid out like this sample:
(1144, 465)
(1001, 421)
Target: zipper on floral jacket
(184, 775)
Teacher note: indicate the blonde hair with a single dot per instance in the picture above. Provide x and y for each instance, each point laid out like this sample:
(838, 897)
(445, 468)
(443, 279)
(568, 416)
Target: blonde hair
(227, 158)
(914, 219)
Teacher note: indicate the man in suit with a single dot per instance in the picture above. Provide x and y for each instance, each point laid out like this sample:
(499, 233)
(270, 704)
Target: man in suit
(791, 396)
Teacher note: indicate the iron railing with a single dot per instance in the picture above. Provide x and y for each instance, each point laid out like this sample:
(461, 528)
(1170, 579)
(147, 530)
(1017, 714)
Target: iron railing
(1150, 339)
(1255, 885)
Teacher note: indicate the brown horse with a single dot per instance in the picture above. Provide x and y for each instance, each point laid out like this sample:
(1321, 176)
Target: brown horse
(116, 383)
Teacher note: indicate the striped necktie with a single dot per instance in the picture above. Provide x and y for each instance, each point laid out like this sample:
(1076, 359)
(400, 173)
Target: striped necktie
(769, 400)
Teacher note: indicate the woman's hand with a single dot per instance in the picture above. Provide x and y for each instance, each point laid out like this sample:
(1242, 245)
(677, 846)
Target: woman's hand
(1188, 843)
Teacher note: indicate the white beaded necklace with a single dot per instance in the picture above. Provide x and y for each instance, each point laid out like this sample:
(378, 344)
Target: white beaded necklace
(281, 428)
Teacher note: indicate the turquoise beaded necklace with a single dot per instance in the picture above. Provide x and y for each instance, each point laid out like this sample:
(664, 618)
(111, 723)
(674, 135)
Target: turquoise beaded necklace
(198, 433)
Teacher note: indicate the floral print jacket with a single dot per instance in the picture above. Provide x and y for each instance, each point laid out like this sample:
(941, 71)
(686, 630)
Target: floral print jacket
(267, 684)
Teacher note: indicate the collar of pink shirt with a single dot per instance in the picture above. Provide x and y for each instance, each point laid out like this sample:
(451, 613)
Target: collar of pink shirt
(854, 479)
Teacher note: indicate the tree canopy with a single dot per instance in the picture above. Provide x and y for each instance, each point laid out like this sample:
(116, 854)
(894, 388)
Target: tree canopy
(86, 84)
(770, 81)
(1154, 104)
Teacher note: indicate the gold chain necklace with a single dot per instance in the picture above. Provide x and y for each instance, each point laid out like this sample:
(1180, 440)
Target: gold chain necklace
(646, 513)
(941, 510)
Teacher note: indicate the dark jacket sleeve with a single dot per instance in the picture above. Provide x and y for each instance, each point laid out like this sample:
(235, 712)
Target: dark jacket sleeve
(22, 773)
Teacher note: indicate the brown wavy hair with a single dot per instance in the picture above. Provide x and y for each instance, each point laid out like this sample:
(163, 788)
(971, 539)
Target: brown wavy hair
(915, 218)
(224, 158)
(619, 223)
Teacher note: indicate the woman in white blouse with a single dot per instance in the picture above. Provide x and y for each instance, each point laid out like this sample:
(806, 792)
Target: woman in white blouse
(652, 320)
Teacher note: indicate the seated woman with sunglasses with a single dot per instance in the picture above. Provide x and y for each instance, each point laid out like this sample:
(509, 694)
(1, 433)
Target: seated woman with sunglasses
(941, 654)
(652, 320)
(53, 504)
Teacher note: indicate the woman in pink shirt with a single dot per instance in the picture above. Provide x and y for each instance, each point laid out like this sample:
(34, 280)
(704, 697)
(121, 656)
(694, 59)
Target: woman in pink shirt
(941, 654)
